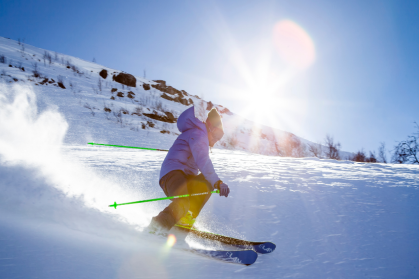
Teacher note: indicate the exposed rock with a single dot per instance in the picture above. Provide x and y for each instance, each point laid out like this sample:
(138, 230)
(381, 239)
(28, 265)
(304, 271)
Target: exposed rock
(209, 105)
(126, 79)
(112, 98)
(113, 90)
(146, 86)
(169, 118)
(104, 74)
(162, 82)
(167, 97)
(130, 95)
(151, 124)
(177, 95)
(178, 99)
(226, 111)
(120, 94)
(107, 109)
(44, 81)
(60, 84)
(167, 89)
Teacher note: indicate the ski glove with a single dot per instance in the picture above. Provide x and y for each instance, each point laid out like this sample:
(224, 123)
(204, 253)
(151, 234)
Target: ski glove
(223, 188)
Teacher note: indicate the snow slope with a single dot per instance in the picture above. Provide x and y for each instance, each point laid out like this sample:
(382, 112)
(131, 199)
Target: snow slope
(87, 95)
(329, 219)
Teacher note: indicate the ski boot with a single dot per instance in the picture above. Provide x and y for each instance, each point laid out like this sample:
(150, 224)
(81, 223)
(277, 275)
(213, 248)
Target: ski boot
(187, 221)
(156, 228)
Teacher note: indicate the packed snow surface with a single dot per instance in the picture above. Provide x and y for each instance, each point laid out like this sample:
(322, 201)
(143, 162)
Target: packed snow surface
(329, 219)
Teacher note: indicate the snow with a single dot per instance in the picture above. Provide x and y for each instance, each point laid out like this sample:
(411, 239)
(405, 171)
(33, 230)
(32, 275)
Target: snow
(329, 219)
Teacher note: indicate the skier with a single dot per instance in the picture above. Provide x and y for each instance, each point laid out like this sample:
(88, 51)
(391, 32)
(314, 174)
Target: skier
(179, 172)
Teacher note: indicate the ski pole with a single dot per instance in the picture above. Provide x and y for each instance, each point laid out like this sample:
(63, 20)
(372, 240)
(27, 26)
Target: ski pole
(125, 146)
(166, 198)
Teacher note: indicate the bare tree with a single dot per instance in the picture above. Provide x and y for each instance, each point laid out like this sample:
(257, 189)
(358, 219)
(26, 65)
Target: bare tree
(47, 57)
(359, 156)
(22, 46)
(35, 71)
(315, 149)
(87, 105)
(382, 153)
(372, 158)
(406, 152)
(99, 84)
(332, 148)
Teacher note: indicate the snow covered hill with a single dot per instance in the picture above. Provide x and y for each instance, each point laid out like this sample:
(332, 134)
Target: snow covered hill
(95, 99)
(329, 219)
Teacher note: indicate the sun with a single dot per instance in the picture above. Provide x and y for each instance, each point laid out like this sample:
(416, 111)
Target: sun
(263, 95)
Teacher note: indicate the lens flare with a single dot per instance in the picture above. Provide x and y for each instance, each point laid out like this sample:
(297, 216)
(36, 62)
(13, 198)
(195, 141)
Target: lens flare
(171, 240)
(293, 44)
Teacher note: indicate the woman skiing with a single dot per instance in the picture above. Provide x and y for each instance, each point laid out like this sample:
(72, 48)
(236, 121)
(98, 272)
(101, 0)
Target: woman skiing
(188, 155)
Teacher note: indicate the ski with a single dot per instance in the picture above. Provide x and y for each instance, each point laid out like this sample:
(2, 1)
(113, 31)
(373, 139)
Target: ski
(245, 257)
(263, 247)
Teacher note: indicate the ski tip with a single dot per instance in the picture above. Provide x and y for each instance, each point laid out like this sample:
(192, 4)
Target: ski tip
(265, 248)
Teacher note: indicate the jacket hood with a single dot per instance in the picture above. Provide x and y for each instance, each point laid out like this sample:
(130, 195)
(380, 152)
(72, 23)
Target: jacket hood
(187, 121)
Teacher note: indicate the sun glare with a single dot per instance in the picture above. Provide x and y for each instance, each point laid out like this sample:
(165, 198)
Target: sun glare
(262, 71)
(266, 85)
(171, 240)
(293, 44)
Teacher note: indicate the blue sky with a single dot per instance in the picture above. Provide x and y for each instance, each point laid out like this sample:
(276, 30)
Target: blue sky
(363, 87)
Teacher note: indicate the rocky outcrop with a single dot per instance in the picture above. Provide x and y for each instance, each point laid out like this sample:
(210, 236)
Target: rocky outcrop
(172, 94)
(146, 86)
(167, 89)
(104, 74)
(226, 111)
(126, 79)
(168, 117)
(178, 99)
(131, 95)
(162, 82)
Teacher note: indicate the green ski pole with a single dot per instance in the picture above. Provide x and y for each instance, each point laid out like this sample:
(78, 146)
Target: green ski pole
(166, 198)
(125, 146)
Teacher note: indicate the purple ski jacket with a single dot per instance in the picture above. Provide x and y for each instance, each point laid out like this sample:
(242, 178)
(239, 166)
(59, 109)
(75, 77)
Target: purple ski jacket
(190, 151)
